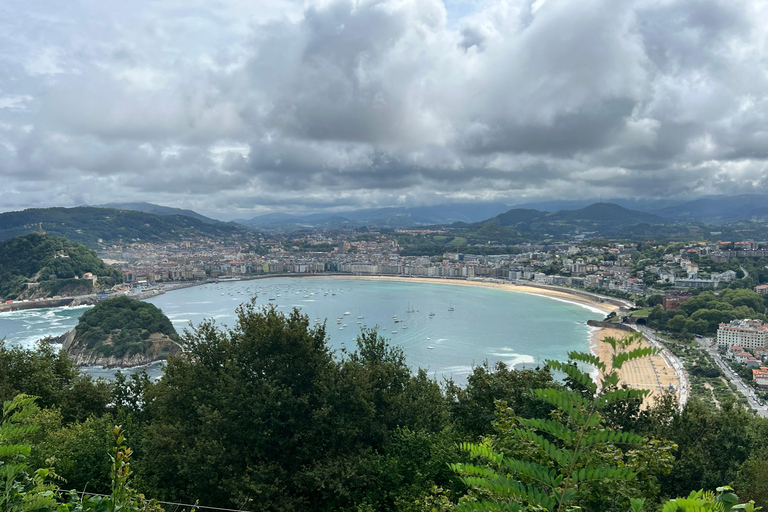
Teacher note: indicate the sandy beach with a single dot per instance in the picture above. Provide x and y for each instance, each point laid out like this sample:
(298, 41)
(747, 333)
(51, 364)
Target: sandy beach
(652, 373)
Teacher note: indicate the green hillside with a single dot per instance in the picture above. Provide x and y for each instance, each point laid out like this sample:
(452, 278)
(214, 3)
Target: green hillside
(87, 225)
(122, 326)
(157, 209)
(51, 261)
(599, 217)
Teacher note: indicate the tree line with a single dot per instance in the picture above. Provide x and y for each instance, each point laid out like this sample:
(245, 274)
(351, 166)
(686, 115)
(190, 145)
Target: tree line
(265, 416)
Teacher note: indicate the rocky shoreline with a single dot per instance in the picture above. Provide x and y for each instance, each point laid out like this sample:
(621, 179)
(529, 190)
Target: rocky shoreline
(84, 357)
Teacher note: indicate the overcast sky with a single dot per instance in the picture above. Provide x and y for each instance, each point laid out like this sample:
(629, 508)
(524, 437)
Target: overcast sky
(242, 107)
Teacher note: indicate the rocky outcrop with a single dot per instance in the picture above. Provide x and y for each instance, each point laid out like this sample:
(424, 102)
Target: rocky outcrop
(610, 325)
(162, 347)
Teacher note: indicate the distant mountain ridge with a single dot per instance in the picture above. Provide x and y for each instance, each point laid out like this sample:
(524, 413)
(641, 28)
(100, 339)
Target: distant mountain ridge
(597, 217)
(87, 225)
(715, 210)
(720, 209)
(157, 209)
(392, 217)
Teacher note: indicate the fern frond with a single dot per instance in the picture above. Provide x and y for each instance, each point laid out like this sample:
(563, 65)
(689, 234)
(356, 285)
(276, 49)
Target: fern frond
(561, 396)
(638, 353)
(553, 428)
(488, 506)
(562, 457)
(573, 372)
(10, 431)
(533, 471)
(586, 357)
(569, 402)
(612, 437)
(482, 451)
(468, 469)
(591, 473)
(17, 450)
(619, 395)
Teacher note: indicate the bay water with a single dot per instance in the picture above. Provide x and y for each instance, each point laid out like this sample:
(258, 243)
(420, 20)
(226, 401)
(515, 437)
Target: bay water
(446, 329)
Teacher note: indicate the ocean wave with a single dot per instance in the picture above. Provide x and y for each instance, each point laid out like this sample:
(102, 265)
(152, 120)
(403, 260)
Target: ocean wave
(458, 370)
(520, 359)
(576, 303)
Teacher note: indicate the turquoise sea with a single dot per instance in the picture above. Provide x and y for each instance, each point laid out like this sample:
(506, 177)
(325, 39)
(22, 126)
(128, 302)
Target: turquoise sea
(443, 328)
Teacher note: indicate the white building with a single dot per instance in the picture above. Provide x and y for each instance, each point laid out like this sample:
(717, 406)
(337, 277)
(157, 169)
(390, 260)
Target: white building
(750, 334)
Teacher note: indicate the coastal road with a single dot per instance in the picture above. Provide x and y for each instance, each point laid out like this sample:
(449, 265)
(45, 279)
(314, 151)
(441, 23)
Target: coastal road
(710, 346)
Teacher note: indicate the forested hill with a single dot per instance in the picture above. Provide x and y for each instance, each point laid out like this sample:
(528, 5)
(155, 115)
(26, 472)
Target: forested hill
(157, 209)
(50, 261)
(598, 217)
(87, 225)
(122, 332)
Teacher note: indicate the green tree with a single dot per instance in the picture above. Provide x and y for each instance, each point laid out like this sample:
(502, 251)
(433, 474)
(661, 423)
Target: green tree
(473, 407)
(21, 489)
(312, 432)
(570, 458)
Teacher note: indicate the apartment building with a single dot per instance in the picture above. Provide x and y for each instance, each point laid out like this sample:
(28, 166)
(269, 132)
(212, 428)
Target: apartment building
(750, 334)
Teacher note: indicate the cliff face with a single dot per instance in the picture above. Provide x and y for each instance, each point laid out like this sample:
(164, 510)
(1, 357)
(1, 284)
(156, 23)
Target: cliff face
(162, 347)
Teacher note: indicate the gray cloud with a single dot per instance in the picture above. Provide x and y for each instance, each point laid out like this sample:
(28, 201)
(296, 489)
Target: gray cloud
(242, 107)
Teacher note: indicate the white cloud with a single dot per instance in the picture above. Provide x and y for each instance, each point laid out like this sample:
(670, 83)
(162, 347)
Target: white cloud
(238, 104)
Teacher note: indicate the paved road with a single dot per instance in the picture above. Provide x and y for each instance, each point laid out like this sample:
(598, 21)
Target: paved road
(711, 347)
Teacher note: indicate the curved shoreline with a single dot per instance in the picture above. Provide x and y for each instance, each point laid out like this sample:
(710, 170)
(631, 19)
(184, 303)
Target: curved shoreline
(561, 294)
(575, 297)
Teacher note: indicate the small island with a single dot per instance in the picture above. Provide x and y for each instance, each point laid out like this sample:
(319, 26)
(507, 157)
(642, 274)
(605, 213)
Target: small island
(121, 333)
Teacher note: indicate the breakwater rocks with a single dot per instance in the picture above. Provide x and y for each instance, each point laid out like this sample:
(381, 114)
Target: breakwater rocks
(162, 347)
(610, 325)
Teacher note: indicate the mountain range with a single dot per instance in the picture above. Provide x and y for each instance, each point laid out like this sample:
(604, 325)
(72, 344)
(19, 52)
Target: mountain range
(599, 218)
(156, 209)
(597, 213)
(90, 226)
(391, 217)
(714, 210)
(151, 222)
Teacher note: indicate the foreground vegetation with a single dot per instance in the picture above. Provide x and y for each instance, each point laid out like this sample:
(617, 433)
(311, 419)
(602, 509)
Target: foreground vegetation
(264, 416)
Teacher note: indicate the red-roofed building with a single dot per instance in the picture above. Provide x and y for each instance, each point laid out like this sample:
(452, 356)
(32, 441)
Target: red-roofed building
(672, 299)
(760, 376)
